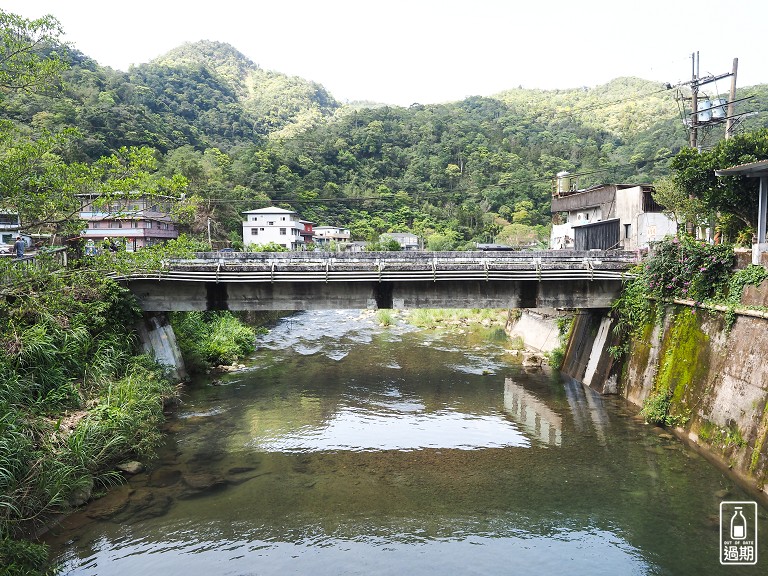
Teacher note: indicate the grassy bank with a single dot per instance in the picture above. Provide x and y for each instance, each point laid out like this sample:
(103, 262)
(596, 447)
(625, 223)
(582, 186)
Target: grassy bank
(77, 397)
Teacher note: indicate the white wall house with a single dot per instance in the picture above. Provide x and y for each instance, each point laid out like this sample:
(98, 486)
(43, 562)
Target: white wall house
(324, 235)
(265, 225)
(407, 241)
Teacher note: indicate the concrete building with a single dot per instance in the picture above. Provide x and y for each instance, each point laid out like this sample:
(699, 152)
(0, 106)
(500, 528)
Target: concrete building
(324, 235)
(135, 219)
(308, 234)
(10, 227)
(607, 216)
(283, 227)
(406, 240)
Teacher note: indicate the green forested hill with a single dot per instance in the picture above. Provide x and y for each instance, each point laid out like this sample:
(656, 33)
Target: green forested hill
(475, 170)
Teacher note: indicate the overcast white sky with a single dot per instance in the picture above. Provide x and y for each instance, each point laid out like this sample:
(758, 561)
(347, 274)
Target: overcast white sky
(430, 51)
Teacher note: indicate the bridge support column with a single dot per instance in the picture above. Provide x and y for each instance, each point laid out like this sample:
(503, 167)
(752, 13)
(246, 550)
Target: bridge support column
(158, 339)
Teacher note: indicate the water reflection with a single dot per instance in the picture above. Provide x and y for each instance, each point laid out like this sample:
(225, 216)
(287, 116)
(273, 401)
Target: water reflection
(536, 418)
(391, 428)
(416, 453)
(587, 408)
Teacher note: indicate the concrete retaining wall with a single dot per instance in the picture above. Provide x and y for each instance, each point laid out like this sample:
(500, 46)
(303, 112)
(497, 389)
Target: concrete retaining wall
(158, 339)
(536, 328)
(718, 380)
(587, 357)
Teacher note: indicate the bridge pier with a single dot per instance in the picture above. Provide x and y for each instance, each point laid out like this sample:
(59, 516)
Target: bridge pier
(157, 338)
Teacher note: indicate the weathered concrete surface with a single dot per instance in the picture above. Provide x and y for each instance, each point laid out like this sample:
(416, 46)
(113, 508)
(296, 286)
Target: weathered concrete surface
(587, 358)
(158, 339)
(536, 328)
(164, 295)
(719, 386)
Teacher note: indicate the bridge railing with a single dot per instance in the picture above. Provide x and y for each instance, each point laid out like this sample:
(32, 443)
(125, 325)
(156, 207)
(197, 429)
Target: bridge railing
(12, 268)
(394, 266)
(414, 257)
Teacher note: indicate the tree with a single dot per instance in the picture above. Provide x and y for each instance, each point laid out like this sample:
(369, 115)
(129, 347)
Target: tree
(677, 203)
(737, 195)
(23, 43)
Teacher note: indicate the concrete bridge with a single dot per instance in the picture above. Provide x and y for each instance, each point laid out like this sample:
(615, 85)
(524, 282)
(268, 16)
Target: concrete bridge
(315, 280)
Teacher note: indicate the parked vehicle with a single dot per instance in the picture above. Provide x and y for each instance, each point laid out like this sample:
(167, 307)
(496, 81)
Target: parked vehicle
(6, 248)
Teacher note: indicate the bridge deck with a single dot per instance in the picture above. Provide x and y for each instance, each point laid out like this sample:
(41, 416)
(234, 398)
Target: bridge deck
(311, 280)
(547, 265)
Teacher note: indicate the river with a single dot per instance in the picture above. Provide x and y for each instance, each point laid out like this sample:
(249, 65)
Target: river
(346, 447)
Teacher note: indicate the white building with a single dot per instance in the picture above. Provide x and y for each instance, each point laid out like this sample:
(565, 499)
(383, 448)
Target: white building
(324, 235)
(10, 227)
(408, 242)
(608, 216)
(265, 225)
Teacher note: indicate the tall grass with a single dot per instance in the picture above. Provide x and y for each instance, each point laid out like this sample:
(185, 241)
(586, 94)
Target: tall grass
(67, 343)
(428, 318)
(211, 338)
(385, 317)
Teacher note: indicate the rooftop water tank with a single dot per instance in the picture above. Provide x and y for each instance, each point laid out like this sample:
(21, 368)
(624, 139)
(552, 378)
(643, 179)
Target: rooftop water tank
(563, 182)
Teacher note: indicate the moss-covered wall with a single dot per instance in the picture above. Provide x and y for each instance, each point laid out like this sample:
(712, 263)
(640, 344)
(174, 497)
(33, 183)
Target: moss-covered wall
(718, 382)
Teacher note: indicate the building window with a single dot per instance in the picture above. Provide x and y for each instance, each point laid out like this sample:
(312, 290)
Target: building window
(627, 230)
(115, 224)
(134, 224)
(282, 232)
(271, 223)
(254, 231)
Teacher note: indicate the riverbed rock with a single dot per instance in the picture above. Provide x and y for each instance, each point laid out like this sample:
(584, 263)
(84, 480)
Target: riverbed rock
(81, 495)
(164, 477)
(133, 467)
(143, 504)
(112, 503)
(199, 483)
(531, 360)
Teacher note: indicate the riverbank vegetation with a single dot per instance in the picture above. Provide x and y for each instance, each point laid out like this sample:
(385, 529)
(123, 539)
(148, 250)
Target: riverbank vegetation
(684, 270)
(211, 338)
(78, 395)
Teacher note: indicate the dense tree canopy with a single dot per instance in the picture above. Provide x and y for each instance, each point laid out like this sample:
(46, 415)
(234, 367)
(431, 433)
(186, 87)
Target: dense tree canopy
(694, 172)
(477, 170)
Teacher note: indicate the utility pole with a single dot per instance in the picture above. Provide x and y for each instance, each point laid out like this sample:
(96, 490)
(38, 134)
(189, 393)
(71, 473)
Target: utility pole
(696, 81)
(689, 228)
(694, 99)
(731, 99)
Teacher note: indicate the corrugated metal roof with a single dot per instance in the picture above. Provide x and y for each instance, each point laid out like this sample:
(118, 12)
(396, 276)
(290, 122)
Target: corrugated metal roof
(751, 169)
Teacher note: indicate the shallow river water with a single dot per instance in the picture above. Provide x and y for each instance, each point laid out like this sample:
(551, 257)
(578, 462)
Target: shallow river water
(350, 448)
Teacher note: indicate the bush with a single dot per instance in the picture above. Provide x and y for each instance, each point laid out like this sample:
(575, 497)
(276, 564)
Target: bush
(211, 338)
(687, 268)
